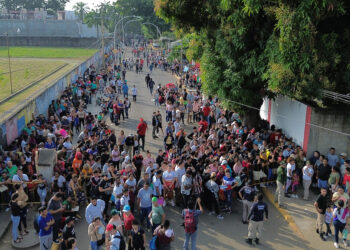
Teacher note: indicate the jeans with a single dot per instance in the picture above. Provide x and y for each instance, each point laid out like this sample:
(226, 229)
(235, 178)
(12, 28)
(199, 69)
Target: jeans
(127, 112)
(322, 184)
(338, 227)
(15, 223)
(56, 228)
(228, 195)
(45, 242)
(193, 237)
(42, 194)
(142, 137)
(94, 246)
(144, 214)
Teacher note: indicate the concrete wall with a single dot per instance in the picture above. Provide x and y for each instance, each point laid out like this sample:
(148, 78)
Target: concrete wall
(309, 128)
(51, 41)
(47, 28)
(38, 104)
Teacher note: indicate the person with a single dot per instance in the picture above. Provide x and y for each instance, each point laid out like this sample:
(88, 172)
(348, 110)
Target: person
(15, 217)
(290, 170)
(134, 93)
(281, 183)
(328, 218)
(45, 222)
(42, 190)
(165, 235)
(141, 132)
(321, 206)
(154, 125)
(186, 187)
(105, 189)
(144, 202)
(323, 173)
(308, 172)
(137, 237)
(340, 215)
(256, 219)
(157, 215)
(94, 210)
(72, 244)
(116, 241)
(56, 210)
(68, 232)
(23, 198)
(213, 198)
(247, 194)
(190, 216)
(95, 233)
(128, 218)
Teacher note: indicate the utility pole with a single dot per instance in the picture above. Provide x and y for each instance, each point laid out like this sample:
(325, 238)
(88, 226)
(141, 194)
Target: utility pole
(9, 58)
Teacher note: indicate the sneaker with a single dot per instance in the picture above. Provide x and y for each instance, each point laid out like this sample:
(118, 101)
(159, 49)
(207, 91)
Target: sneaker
(250, 242)
(7, 209)
(317, 231)
(336, 245)
(257, 241)
(345, 243)
(220, 217)
(329, 234)
(322, 237)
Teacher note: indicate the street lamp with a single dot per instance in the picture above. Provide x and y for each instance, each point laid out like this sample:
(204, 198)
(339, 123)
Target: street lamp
(130, 21)
(116, 25)
(158, 31)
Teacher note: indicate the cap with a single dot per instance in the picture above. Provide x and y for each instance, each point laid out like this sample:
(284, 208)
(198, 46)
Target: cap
(109, 227)
(69, 219)
(126, 208)
(154, 199)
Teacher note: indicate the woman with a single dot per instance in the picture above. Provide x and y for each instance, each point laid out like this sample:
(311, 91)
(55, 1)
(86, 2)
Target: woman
(41, 189)
(77, 162)
(333, 180)
(308, 172)
(213, 195)
(72, 244)
(228, 183)
(169, 181)
(15, 217)
(74, 189)
(23, 198)
(340, 216)
(95, 232)
(165, 236)
(121, 141)
(116, 157)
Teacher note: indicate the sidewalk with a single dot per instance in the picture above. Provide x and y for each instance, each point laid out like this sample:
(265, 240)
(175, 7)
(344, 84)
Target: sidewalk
(5, 218)
(301, 217)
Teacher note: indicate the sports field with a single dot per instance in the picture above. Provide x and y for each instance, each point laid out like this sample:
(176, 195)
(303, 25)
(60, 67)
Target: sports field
(47, 52)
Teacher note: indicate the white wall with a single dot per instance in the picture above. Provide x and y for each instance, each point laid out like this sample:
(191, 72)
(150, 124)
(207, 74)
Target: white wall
(287, 114)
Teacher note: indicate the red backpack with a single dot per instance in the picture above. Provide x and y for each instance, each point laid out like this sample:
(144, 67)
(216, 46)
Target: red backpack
(190, 222)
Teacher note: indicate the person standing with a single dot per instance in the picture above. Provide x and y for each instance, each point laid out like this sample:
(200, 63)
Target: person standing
(134, 93)
(15, 217)
(95, 232)
(340, 215)
(308, 172)
(157, 214)
(247, 194)
(141, 131)
(125, 89)
(186, 187)
(68, 232)
(154, 125)
(45, 222)
(321, 206)
(144, 202)
(147, 79)
(190, 216)
(281, 183)
(56, 210)
(94, 210)
(256, 219)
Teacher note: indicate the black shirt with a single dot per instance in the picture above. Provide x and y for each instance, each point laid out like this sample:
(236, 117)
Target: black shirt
(67, 233)
(15, 209)
(137, 238)
(324, 172)
(322, 202)
(257, 211)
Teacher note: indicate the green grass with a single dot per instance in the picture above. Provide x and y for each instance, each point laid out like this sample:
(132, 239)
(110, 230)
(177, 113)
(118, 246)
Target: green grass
(24, 72)
(47, 52)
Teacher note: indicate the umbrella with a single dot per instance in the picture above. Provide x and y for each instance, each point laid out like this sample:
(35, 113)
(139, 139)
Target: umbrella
(170, 85)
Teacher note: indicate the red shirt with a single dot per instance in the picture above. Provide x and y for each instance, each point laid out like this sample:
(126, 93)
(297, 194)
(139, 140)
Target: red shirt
(204, 125)
(345, 179)
(141, 128)
(128, 221)
(206, 110)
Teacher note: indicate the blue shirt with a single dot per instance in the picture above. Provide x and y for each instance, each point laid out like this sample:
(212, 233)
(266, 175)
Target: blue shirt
(145, 197)
(42, 222)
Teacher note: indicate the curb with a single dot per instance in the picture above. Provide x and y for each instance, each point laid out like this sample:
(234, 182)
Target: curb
(6, 227)
(285, 214)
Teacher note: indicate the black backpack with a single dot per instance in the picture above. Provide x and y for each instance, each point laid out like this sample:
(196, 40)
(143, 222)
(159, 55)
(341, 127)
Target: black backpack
(122, 245)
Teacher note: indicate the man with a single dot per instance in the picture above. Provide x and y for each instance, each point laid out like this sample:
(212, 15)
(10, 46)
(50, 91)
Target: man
(157, 214)
(141, 131)
(323, 173)
(321, 206)
(105, 189)
(154, 125)
(20, 177)
(333, 159)
(11, 169)
(138, 164)
(247, 194)
(147, 79)
(256, 219)
(281, 183)
(94, 209)
(45, 222)
(56, 210)
(134, 93)
(186, 187)
(129, 144)
(68, 232)
(125, 89)
(190, 216)
(144, 202)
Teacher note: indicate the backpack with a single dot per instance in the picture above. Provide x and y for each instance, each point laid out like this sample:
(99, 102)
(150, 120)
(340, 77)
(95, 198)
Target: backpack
(122, 245)
(190, 222)
(153, 243)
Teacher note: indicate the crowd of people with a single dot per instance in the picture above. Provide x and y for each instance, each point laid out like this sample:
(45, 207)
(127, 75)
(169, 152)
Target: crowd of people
(124, 190)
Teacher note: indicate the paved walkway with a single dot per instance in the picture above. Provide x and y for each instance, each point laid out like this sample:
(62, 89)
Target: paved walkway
(212, 233)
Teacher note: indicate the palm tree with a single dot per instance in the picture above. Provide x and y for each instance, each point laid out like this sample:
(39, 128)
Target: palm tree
(80, 8)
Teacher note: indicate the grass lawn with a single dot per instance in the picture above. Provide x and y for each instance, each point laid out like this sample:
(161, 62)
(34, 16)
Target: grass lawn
(47, 52)
(24, 71)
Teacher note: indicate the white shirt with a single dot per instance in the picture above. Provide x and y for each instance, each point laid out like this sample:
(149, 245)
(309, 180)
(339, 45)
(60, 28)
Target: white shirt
(177, 126)
(340, 216)
(306, 171)
(131, 183)
(156, 183)
(134, 91)
(290, 168)
(179, 173)
(117, 190)
(60, 181)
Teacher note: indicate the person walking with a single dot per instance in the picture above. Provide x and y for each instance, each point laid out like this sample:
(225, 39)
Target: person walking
(125, 89)
(157, 215)
(134, 93)
(256, 219)
(141, 132)
(281, 183)
(154, 125)
(247, 194)
(321, 206)
(45, 222)
(190, 216)
(95, 232)
(94, 209)
(144, 202)
(340, 215)
(15, 217)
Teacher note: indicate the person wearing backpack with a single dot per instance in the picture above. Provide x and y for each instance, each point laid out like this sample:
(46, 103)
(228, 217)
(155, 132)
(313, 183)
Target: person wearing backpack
(117, 241)
(190, 216)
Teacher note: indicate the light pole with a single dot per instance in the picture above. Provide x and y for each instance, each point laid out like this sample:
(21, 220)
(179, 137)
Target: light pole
(116, 25)
(158, 31)
(9, 58)
(130, 21)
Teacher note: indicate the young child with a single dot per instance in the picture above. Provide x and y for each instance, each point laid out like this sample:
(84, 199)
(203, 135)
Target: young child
(137, 237)
(328, 218)
(295, 184)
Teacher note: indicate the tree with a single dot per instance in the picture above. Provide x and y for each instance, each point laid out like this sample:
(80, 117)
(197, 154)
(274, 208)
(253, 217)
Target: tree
(80, 9)
(51, 5)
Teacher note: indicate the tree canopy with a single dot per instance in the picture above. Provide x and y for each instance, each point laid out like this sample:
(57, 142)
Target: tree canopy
(51, 5)
(249, 49)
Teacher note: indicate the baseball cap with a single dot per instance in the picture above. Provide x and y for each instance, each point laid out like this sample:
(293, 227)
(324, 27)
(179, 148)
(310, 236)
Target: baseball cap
(126, 208)
(69, 219)
(154, 199)
(109, 227)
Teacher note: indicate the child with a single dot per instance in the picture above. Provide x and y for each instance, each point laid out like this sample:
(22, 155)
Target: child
(295, 184)
(124, 201)
(328, 220)
(137, 237)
